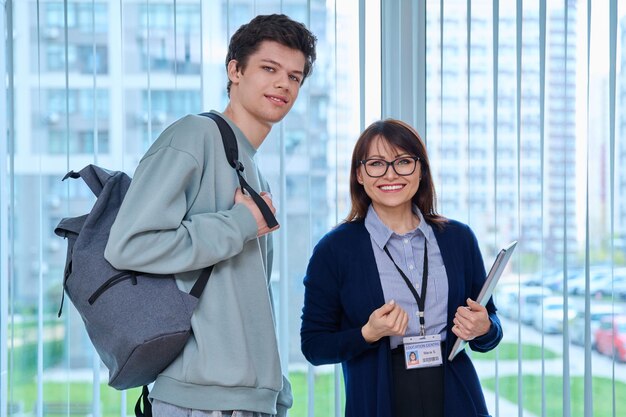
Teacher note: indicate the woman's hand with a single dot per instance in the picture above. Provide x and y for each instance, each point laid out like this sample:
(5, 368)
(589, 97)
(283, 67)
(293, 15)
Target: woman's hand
(471, 321)
(388, 320)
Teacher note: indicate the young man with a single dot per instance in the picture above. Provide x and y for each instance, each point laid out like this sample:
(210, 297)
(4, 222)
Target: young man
(182, 214)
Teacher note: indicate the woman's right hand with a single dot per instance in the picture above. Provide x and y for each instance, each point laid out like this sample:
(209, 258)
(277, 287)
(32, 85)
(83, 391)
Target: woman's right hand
(388, 320)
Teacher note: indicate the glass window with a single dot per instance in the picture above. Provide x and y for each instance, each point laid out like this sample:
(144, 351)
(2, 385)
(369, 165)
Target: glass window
(153, 67)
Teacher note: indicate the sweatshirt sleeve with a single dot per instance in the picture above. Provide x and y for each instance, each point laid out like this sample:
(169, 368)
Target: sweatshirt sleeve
(153, 232)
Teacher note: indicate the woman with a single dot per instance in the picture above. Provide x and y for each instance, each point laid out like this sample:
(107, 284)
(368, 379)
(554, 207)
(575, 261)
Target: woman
(396, 275)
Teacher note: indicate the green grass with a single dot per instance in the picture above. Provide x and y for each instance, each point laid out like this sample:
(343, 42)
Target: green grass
(25, 394)
(508, 351)
(57, 392)
(531, 394)
(324, 394)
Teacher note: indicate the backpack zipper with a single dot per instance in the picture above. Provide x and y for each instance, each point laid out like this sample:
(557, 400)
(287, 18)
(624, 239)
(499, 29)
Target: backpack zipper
(116, 279)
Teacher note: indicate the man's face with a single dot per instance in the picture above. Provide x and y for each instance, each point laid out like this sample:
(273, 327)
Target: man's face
(269, 84)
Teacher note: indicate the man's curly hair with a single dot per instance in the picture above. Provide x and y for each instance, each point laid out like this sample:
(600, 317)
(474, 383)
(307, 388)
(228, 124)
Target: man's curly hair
(274, 27)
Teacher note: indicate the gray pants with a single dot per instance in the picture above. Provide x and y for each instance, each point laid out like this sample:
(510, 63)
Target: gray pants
(163, 409)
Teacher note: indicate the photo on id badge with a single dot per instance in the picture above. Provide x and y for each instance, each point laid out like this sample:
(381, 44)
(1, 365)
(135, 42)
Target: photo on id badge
(412, 359)
(422, 351)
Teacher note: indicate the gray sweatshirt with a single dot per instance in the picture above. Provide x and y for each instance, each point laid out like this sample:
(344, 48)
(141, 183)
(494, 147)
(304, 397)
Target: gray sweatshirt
(179, 217)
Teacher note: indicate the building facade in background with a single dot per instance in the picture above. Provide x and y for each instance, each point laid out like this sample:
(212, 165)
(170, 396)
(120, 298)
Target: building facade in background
(485, 170)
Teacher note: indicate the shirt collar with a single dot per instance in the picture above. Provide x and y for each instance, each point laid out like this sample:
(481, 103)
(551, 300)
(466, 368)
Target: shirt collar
(381, 234)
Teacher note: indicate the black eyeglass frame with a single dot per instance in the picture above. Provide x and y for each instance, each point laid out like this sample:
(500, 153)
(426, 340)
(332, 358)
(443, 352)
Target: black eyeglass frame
(390, 164)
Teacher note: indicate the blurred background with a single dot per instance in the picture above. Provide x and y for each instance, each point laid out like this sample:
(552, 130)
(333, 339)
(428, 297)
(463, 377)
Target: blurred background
(520, 104)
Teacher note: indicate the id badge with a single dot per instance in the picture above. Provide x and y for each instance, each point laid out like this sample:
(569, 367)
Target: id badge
(422, 351)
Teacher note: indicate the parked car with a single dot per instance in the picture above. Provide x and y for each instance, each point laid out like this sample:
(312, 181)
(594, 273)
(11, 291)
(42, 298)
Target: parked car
(617, 286)
(530, 301)
(611, 337)
(550, 318)
(540, 278)
(503, 296)
(513, 301)
(619, 289)
(600, 279)
(596, 315)
(554, 280)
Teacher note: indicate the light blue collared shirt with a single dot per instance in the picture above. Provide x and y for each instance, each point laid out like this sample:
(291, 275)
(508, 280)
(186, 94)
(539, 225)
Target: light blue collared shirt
(407, 251)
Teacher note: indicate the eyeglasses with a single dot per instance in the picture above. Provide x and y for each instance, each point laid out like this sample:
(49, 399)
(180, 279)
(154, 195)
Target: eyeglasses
(403, 166)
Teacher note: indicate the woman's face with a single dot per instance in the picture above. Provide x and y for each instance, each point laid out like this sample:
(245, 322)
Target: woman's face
(392, 191)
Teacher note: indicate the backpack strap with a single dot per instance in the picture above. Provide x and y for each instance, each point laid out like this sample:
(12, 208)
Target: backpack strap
(232, 155)
(201, 282)
(145, 402)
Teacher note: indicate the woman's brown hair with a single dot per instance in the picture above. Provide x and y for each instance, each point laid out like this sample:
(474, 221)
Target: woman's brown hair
(396, 134)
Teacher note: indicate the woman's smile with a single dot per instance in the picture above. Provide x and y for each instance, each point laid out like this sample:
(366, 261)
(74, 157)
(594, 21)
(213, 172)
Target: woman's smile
(391, 187)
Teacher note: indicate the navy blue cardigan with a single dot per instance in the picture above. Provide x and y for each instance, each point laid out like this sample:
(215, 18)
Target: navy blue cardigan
(342, 289)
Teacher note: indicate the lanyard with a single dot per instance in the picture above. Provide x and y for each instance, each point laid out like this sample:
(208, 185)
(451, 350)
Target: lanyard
(419, 299)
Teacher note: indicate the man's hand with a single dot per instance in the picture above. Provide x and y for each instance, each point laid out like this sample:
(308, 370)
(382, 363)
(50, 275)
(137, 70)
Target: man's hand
(388, 320)
(471, 321)
(246, 200)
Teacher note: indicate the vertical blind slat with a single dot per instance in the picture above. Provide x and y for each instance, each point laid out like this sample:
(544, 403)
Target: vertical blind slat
(40, 213)
(542, 106)
(420, 106)
(148, 72)
(361, 63)
(67, 86)
(588, 392)
(468, 78)
(518, 123)
(6, 193)
(95, 83)
(68, 319)
(175, 17)
(122, 101)
(612, 125)
(566, 353)
(441, 96)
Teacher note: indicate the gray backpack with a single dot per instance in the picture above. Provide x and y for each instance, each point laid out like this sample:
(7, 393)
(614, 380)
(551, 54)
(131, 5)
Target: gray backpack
(138, 322)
